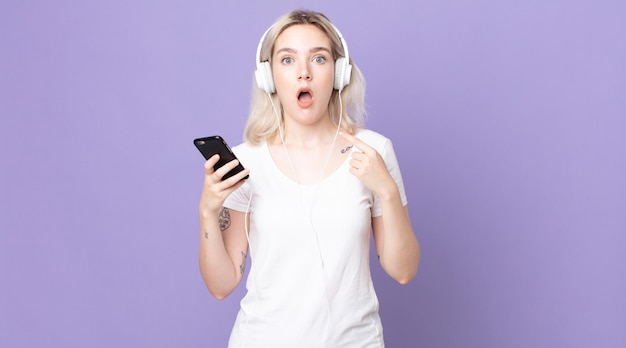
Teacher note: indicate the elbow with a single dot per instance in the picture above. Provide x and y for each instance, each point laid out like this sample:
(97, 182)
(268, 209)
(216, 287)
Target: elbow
(220, 285)
(219, 294)
(406, 278)
(406, 274)
(411, 271)
(402, 275)
(404, 281)
(217, 289)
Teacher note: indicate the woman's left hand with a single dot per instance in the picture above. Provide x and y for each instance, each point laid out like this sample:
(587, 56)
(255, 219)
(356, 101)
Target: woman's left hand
(369, 167)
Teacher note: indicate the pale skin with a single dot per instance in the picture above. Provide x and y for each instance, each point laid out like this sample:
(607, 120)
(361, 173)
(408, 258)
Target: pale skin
(302, 61)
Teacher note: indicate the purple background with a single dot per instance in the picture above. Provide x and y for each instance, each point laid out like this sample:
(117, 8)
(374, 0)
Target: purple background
(508, 117)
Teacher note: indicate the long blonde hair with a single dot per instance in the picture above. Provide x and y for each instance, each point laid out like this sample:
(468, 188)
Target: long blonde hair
(262, 123)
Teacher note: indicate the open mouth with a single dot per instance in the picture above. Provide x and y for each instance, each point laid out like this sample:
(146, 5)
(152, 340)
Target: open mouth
(305, 97)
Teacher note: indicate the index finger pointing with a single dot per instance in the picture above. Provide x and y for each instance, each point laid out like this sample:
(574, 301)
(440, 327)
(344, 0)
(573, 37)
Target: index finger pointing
(356, 142)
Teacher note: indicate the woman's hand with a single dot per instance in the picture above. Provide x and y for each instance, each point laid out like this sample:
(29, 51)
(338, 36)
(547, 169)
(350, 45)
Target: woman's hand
(215, 191)
(370, 168)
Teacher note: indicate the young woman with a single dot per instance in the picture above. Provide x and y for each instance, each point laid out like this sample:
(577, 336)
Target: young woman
(319, 184)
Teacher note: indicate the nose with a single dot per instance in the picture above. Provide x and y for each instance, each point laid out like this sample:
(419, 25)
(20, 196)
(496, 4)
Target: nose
(304, 72)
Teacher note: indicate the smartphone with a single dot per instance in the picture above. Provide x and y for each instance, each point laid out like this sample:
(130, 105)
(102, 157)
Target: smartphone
(210, 146)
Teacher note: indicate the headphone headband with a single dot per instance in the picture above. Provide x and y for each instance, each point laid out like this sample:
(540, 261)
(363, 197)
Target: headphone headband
(343, 43)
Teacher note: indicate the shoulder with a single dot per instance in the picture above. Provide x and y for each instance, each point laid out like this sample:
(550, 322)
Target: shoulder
(245, 149)
(248, 153)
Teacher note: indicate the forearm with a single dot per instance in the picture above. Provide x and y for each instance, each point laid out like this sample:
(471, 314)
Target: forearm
(216, 264)
(222, 240)
(398, 248)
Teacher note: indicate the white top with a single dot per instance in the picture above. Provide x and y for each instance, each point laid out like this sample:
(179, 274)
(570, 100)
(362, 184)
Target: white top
(310, 283)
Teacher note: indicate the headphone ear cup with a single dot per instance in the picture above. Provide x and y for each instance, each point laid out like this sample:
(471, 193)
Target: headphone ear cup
(264, 80)
(343, 70)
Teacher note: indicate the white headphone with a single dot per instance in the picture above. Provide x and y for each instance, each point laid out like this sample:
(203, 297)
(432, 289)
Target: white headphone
(263, 73)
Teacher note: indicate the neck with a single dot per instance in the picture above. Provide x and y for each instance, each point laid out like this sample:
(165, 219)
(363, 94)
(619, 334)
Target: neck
(295, 134)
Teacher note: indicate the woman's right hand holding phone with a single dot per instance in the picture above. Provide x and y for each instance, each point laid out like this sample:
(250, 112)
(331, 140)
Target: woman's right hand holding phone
(215, 190)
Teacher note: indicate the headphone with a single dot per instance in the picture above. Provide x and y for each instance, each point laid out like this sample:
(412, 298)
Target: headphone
(263, 73)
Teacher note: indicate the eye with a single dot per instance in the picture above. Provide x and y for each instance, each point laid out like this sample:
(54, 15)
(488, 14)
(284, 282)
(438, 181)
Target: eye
(287, 60)
(319, 59)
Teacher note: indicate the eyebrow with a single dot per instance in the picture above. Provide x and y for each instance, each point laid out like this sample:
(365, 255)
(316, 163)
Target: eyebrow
(312, 50)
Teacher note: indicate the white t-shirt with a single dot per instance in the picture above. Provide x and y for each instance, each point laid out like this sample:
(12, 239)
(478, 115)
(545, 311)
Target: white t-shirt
(310, 283)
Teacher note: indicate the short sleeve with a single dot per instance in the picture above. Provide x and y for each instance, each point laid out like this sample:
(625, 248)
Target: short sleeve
(389, 156)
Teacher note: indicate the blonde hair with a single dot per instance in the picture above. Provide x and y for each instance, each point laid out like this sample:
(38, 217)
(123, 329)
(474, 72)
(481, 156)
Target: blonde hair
(262, 122)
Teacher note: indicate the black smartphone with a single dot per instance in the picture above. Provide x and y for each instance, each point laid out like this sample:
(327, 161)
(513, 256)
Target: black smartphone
(210, 146)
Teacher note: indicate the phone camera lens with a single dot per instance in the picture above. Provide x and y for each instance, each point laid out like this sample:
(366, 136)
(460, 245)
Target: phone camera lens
(200, 142)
